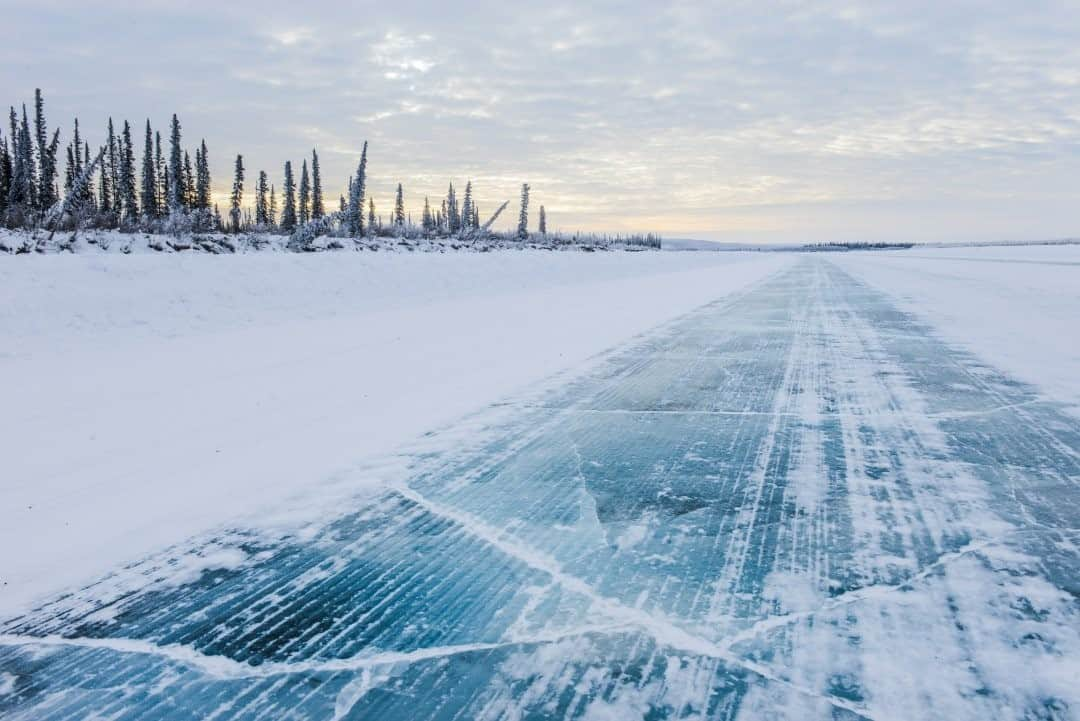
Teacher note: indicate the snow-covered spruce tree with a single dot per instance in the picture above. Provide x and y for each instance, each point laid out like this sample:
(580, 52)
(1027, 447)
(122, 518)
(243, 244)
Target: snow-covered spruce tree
(74, 203)
(303, 214)
(46, 175)
(202, 178)
(5, 177)
(189, 183)
(453, 217)
(148, 199)
(372, 219)
(163, 177)
(317, 209)
(24, 180)
(20, 186)
(109, 200)
(342, 205)
(399, 207)
(467, 208)
(237, 195)
(261, 202)
(494, 216)
(354, 213)
(543, 221)
(175, 170)
(70, 169)
(105, 199)
(90, 196)
(523, 217)
(128, 202)
(288, 213)
(426, 220)
(113, 155)
(271, 211)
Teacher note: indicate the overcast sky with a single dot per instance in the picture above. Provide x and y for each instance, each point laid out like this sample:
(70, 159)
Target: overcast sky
(739, 120)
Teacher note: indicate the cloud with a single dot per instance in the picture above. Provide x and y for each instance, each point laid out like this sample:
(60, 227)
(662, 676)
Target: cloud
(620, 114)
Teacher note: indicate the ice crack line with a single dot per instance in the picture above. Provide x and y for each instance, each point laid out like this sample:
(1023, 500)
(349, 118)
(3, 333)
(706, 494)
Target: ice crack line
(662, 630)
(225, 668)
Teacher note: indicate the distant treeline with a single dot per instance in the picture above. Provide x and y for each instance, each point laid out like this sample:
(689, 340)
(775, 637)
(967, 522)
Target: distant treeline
(167, 191)
(854, 245)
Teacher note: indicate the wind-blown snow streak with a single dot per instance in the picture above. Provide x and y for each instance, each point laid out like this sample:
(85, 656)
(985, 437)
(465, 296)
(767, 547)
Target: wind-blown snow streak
(795, 504)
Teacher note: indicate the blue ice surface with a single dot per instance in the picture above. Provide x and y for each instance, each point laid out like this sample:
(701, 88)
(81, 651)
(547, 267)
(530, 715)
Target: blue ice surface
(793, 503)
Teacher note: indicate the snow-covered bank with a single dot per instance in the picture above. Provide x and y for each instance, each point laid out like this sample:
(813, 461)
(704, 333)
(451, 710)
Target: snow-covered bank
(100, 241)
(1017, 308)
(146, 398)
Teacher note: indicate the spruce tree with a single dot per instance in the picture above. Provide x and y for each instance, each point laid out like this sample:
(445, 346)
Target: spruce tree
(271, 212)
(114, 159)
(46, 194)
(69, 169)
(372, 220)
(399, 207)
(288, 212)
(237, 195)
(426, 220)
(149, 191)
(189, 183)
(175, 170)
(523, 217)
(543, 221)
(89, 197)
(261, 201)
(127, 177)
(317, 210)
(27, 176)
(202, 179)
(453, 217)
(304, 214)
(5, 177)
(354, 214)
(20, 181)
(467, 208)
(163, 177)
(105, 203)
(110, 173)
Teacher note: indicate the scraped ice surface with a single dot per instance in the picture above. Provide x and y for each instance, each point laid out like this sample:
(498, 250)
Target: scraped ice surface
(796, 503)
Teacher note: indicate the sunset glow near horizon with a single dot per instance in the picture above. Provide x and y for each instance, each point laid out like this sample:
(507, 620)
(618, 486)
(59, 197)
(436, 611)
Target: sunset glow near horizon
(744, 121)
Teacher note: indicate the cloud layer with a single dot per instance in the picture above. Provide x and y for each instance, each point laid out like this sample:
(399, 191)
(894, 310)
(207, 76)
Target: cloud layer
(739, 120)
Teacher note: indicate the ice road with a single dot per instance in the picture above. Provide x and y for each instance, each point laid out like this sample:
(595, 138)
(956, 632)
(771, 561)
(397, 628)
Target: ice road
(795, 503)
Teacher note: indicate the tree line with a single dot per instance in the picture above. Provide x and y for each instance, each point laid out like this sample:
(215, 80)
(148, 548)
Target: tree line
(167, 191)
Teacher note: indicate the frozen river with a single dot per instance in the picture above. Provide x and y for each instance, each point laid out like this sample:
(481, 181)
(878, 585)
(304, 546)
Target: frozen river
(794, 503)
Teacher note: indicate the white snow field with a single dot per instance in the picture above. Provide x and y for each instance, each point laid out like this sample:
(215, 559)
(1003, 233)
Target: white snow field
(149, 397)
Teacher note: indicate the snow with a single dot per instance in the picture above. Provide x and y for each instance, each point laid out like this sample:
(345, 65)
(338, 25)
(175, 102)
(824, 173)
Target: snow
(148, 398)
(1016, 308)
(795, 503)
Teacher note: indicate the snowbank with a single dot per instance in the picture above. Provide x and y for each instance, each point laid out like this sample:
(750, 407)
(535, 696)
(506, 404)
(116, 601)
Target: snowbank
(150, 397)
